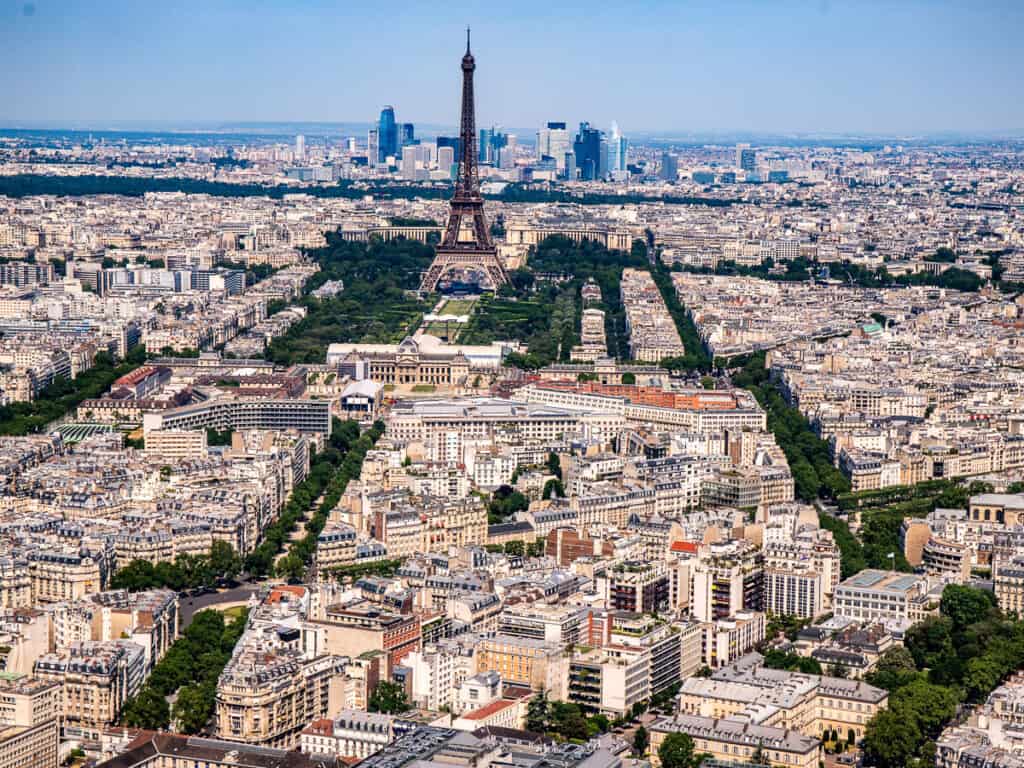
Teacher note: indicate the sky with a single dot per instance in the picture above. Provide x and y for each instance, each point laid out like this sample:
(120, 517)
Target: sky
(784, 66)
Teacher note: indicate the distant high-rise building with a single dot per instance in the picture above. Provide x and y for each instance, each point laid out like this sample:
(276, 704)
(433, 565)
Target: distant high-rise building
(506, 155)
(300, 147)
(492, 141)
(569, 165)
(446, 159)
(409, 161)
(408, 134)
(449, 141)
(604, 158)
(388, 129)
(373, 146)
(350, 144)
(617, 146)
(587, 148)
(669, 167)
(746, 158)
(485, 144)
(554, 142)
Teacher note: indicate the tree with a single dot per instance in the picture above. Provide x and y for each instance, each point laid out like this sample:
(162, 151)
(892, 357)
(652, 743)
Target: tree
(388, 698)
(981, 676)
(894, 670)
(760, 757)
(537, 714)
(928, 640)
(291, 567)
(629, 378)
(676, 751)
(224, 560)
(929, 706)
(889, 740)
(136, 576)
(193, 708)
(567, 720)
(147, 710)
(896, 659)
(838, 670)
(553, 488)
(554, 465)
(966, 605)
(640, 741)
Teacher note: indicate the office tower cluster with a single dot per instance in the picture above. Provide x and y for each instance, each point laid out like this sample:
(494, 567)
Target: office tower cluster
(497, 148)
(589, 155)
(388, 138)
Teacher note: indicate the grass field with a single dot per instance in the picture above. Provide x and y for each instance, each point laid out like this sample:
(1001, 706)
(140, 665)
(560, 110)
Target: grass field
(450, 307)
(457, 307)
(230, 614)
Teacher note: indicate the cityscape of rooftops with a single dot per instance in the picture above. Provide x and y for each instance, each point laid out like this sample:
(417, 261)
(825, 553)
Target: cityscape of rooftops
(547, 386)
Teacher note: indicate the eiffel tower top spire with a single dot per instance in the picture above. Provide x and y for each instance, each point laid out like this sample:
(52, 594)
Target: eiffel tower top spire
(467, 186)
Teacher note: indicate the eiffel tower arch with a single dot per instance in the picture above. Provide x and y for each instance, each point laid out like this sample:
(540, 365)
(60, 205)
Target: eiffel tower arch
(467, 243)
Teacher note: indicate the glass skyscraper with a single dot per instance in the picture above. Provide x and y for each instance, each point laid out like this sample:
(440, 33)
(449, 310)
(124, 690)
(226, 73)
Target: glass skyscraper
(617, 146)
(408, 134)
(587, 148)
(388, 134)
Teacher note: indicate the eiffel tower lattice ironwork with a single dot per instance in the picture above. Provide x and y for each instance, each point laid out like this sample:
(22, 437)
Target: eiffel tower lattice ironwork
(467, 243)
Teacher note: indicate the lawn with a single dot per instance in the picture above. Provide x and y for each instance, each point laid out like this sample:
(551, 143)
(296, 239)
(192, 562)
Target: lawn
(230, 614)
(457, 307)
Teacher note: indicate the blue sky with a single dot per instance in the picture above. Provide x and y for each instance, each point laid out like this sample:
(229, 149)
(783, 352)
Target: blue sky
(821, 65)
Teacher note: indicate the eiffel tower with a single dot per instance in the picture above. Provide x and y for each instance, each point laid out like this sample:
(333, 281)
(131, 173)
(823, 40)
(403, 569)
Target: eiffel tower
(467, 241)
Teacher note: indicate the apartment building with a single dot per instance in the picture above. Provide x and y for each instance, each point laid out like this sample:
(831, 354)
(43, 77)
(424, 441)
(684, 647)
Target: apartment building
(538, 664)
(553, 623)
(794, 592)
(349, 733)
(638, 587)
(59, 576)
(1008, 584)
(267, 696)
(351, 630)
(730, 740)
(30, 711)
(97, 678)
(728, 639)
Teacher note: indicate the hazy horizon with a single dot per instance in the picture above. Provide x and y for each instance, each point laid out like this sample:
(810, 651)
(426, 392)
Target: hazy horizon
(820, 67)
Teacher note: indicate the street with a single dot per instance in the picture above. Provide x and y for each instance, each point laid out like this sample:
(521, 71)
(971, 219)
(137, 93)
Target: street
(189, 606)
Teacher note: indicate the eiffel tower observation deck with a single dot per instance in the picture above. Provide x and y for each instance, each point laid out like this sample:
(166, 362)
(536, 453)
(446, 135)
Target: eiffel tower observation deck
(467, 248)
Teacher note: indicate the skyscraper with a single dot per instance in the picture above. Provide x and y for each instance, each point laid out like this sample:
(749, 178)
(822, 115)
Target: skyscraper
(373, 147)
(486, 134)
(587, 148)
(300, 147)
(553, 141)
(446, 160)
(617, 146)
(388, 133)
(450, 141)
(409, 161)
(408, 134)
(604, 158)
(746, 158)
(669, 167)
